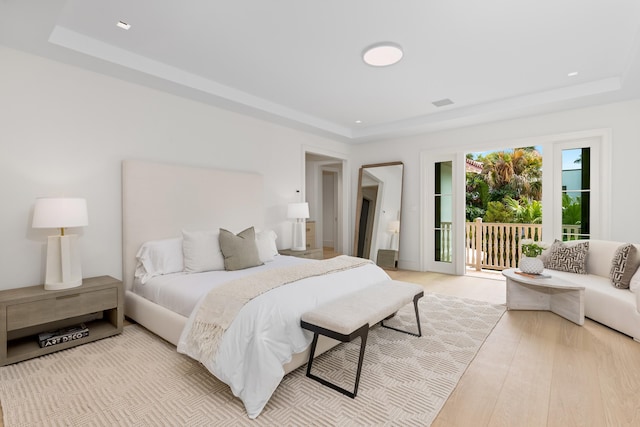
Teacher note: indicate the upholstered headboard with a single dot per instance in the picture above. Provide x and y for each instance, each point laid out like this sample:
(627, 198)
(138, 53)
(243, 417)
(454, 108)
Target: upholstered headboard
(160, 200)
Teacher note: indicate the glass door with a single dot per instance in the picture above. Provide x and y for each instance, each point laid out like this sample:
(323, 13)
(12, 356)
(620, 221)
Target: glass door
(443, 212)
(442, 207)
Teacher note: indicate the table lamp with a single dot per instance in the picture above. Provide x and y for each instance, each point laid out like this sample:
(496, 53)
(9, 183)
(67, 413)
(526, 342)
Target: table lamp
(394, 229)
(299, 212)
(63, 254)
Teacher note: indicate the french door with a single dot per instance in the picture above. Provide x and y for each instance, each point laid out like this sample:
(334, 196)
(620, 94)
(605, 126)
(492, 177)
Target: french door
(442, 237)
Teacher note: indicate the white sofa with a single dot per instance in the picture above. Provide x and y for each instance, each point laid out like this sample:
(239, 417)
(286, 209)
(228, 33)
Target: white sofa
(616, 308)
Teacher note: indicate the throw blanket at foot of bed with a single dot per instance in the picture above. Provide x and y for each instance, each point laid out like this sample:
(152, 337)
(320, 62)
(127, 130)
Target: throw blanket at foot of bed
(221, 305)
(266, 333)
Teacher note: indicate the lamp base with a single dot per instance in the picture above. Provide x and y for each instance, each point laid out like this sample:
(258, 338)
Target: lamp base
(299, 242)
(63, 263)
(62, 285)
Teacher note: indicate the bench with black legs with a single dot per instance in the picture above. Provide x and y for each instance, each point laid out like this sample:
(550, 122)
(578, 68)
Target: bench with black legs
(351, 316)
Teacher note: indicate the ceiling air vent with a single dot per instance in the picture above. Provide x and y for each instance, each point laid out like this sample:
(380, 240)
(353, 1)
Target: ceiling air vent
(442, 102)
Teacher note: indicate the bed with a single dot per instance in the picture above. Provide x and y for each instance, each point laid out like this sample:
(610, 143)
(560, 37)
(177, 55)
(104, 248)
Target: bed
(160, 202)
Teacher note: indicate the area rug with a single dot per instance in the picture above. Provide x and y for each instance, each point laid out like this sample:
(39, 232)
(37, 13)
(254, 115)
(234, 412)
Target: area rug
(138, 379)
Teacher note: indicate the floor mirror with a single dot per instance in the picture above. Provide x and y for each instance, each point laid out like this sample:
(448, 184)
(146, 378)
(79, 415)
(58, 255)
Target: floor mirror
(378, 213)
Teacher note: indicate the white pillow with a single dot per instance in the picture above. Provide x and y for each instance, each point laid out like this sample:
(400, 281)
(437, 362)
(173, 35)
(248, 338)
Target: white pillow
(266, 243)
(634, 284)
(201, 251)
(158, 257)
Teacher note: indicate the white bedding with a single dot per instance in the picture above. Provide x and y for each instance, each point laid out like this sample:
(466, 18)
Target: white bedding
(266, 333)
(179, 292)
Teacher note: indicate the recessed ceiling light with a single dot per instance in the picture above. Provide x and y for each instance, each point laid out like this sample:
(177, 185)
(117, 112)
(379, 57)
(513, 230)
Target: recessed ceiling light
(123, 25)
(572, 74)
(382, 54)
(358, 121)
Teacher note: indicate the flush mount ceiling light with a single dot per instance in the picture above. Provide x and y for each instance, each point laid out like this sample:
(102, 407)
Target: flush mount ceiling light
(382, 54)
(572, 74)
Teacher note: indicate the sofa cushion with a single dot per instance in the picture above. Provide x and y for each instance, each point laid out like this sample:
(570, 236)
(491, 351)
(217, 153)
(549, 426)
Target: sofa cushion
(570, 258)
(624, 265)
(634, 285)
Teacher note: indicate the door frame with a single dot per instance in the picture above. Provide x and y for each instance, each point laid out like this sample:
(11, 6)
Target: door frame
(428, 159)
(341, 163)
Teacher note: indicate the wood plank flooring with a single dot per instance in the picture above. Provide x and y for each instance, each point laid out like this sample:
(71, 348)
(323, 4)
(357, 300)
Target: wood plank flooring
(537, 369)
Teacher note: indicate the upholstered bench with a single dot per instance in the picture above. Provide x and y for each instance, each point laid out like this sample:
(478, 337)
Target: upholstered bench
(351, 316)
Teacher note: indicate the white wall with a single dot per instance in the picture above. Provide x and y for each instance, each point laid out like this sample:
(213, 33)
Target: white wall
(623, 118)
(65, 131)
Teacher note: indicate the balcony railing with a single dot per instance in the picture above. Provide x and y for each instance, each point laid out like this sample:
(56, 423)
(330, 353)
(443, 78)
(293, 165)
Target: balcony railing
(495, 245)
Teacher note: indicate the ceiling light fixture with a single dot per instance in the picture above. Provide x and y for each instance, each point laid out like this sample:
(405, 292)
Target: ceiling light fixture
(123, 25)
(572, 74)
(358, 121)
(382, 54)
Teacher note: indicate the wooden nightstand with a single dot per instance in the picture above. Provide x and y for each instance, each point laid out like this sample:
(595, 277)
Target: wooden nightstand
(26, 312)
(309, 253)
(387, 259)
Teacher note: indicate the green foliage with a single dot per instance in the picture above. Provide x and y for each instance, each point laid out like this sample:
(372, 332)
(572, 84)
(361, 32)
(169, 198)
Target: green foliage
(516, 173)
(512, 179)
(525, 211)
(530, 248)
(498, 212)
(571, 210)
(473, 212)
(477, 196)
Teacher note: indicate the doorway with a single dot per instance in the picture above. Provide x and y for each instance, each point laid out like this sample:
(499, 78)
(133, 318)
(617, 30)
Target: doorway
(326, 191)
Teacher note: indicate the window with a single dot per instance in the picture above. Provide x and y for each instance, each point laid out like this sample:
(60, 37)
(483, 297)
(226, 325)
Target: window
(576, 193)
(581, 177)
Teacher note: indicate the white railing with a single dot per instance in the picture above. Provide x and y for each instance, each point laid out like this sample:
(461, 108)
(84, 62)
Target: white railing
(571, 232)
(446, 243)
(495, 246)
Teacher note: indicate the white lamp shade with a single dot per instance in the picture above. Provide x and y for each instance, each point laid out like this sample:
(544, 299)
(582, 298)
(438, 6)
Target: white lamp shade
(298, 210)
(60, 213)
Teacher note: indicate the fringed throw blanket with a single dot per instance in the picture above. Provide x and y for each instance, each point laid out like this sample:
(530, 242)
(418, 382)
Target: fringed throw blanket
(221, 305)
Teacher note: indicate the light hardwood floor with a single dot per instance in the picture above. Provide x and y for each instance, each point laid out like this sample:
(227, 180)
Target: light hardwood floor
(538, 369)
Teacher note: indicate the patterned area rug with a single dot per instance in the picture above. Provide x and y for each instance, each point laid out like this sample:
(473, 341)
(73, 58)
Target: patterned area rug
(138, 379)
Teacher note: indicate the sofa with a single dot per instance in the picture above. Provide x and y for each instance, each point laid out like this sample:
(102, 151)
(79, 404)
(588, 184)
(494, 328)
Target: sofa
(616, 308)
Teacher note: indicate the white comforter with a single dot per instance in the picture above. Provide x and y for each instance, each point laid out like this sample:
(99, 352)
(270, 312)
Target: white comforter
(266, 333)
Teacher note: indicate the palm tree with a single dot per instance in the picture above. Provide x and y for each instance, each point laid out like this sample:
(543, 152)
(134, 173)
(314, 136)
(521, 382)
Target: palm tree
(516, 174)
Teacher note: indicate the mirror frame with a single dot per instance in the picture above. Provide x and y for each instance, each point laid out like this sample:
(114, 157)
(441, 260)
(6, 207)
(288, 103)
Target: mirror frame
(359, 208)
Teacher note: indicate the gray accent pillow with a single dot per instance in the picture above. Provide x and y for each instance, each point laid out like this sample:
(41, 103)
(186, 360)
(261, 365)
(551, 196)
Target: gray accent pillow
(624, 265)
(545, 256)
(240, 251)
(572, 259)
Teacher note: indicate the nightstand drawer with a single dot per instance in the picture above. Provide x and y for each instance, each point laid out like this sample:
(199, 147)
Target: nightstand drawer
(65, 306)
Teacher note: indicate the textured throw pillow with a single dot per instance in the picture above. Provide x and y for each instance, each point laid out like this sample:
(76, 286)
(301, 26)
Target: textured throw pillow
(572, 259)
(624, 265)
(201, 251)
(240, 251)
(266, 242)
(546, 254)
